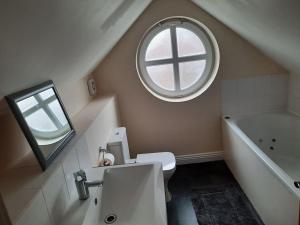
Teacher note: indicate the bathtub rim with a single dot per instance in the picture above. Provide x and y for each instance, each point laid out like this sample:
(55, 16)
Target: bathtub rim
(281, 175)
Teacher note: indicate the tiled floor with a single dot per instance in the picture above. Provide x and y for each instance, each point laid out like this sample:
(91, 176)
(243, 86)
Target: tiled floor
(208, 194)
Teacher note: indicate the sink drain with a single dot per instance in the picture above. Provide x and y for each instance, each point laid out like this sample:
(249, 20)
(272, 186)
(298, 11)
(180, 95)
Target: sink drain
(111, 218)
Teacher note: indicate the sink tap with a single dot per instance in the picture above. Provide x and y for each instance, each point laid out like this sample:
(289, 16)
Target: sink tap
(83, 185)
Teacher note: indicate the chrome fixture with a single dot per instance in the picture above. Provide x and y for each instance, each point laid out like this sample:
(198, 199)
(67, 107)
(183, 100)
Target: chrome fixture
(101, 149)
(83, 185)
(110, 219)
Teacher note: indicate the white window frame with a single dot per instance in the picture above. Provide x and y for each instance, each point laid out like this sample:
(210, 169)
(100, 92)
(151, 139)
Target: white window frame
(212, 57)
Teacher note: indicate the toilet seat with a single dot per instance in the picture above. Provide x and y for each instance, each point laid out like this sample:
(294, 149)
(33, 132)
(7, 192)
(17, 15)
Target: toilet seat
(167, 159)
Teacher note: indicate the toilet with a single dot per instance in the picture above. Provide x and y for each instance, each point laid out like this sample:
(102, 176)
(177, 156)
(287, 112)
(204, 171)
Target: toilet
(118, 146)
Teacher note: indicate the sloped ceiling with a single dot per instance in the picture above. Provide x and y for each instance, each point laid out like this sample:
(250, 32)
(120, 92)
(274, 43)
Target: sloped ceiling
(273, 26)
(63, 40)
(60, 40)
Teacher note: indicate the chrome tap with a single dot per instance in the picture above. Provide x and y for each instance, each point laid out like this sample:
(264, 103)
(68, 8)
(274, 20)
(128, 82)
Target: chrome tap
(83, 185)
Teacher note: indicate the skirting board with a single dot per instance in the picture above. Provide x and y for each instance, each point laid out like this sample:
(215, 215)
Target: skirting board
(199, 158)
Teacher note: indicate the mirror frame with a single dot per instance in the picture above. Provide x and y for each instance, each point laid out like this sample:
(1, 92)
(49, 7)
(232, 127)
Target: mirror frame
(12, 100)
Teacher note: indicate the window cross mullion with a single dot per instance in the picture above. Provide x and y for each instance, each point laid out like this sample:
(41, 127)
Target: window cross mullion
(192, 58)
(179, 59)
(175, 57)
(159, 62)
(184, 59)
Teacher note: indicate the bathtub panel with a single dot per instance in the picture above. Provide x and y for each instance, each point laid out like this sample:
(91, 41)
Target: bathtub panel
(274, 202)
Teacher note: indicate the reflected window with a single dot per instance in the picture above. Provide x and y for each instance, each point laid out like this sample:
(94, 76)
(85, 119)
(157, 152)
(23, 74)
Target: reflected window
(44, 116)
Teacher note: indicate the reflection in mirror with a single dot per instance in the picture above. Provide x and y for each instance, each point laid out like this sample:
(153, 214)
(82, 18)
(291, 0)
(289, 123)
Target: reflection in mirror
(43, 119)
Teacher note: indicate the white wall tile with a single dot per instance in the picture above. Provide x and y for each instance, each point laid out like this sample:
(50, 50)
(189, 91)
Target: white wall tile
(294, 93)
(36, 213)
(56, 190)
(71, 165)
(16, 202)
(294, 104)
(246, 94)
(262, 86)
(278, 93)
(277, 102)
(230, 100)
(105, 122)
(294, 85)
(56, 196)
(254, 95)
(229, 90)
(246, 88)
(278, 85)
(83, 154)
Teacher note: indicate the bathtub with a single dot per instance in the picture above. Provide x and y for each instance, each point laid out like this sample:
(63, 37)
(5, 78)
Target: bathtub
(263, 153)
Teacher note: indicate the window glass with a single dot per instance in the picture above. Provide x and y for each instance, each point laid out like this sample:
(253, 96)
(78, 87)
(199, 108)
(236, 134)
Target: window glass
(188, 43)
(162, 75)
(47, 94)
(177, 59)
(40, 121)
(27, 103)
(190, 72)
(57, 110)
(160, 46)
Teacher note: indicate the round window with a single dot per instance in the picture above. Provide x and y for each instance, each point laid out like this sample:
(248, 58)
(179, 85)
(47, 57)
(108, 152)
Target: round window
(177, 59)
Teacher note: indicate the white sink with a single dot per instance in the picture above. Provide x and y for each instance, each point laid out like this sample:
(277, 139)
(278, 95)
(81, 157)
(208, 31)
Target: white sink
(133, 194)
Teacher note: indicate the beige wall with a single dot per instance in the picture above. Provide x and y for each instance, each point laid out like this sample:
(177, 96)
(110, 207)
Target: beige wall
(184, 128)
(15, 150)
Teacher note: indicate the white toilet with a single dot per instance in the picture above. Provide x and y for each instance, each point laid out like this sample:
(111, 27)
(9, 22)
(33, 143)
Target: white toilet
(118, 146)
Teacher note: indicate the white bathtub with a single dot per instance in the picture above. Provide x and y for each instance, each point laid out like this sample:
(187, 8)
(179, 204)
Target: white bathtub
(263, 153)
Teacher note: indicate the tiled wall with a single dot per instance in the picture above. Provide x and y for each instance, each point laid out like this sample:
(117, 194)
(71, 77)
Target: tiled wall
(254, 94)
(294, 94)
(51, 198)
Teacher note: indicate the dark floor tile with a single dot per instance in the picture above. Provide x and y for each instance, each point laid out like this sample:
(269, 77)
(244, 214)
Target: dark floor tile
(180, 186)
(223, 205)
(181, 212)
(208, 194)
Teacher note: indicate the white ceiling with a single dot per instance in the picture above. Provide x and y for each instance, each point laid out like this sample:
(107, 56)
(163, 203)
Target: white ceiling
(62, 40)
(273, 26)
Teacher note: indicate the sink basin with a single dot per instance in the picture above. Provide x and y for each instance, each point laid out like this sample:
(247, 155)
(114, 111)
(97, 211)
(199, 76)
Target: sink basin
(131, 195)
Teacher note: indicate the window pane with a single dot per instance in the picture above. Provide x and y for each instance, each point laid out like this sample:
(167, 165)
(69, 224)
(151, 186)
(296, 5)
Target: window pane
(188, 43)
(160, 46)
(46, 94)
(27, 103)
(162, 76)
(57, 110)
(190, 72)
(40, 121)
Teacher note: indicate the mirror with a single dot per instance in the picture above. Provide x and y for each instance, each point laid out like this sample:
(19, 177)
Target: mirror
(43, 119)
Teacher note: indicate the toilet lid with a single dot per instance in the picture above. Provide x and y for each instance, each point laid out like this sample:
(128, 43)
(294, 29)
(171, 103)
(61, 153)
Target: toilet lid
(167, 159)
